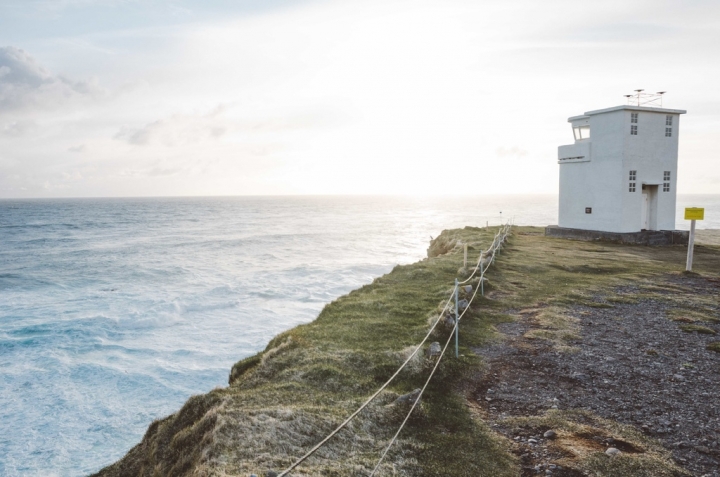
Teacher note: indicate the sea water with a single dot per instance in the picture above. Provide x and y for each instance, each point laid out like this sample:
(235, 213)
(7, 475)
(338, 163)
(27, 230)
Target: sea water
(114, 311)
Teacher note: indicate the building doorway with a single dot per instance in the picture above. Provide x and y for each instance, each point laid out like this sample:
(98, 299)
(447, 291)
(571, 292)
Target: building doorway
(649, 207)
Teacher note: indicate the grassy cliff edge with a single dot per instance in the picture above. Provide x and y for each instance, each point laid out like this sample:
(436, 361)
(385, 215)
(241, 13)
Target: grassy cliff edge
(282, 401)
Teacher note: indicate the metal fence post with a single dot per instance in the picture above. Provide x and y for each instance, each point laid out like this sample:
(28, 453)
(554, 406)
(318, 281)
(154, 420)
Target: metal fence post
(457, 319)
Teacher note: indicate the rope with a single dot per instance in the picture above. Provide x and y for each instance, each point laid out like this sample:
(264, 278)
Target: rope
(417, 400)
(494, 246)
(437, 363)
(370, 399)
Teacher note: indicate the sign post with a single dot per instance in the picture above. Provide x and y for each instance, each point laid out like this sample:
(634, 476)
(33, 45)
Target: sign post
(692, 214)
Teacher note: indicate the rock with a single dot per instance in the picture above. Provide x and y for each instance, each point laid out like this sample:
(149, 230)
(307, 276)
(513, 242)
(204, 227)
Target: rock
(468, 289)
(271, 473)
(550, 434)
(678, 377)
(580, 377)
(703, 450)
(434, 349)
(449, 321)
(612, 451)
(532, 441)
(462, 304)
(408, 398)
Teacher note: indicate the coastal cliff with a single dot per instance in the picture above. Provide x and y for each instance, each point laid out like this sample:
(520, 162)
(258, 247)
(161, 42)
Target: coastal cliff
(476, 418)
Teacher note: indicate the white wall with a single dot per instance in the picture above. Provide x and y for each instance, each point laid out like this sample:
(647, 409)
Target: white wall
(601, 179)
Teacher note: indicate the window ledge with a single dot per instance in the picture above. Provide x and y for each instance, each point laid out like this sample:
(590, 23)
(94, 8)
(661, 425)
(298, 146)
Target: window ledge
(567, 160)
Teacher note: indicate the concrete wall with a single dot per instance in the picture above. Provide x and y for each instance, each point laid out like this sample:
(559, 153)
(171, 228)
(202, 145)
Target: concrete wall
(650, 153)
(594, 172)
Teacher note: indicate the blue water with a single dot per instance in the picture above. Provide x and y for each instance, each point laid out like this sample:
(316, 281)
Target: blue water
(114, 311)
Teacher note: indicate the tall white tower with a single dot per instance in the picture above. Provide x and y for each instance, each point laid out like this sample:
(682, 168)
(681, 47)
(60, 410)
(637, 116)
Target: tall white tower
(620, 173)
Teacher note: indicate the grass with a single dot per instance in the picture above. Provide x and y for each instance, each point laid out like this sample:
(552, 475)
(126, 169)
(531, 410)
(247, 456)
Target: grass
(714, 346)
(698, 329)
(282, 401)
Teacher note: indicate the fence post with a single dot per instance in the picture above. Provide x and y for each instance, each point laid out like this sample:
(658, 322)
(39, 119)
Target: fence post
(691, 246)
(457, 320)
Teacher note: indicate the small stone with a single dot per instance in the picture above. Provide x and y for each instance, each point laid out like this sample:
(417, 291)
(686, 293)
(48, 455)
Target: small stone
(550, 434)
(462, 304)
(271, 473)
(612, 451)
(703, 449)
(532, 441)
(678, 377)
(468, 288)
(434, 349)
(409, 398)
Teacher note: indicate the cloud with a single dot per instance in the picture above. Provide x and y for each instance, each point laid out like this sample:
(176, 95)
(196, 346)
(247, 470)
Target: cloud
(25, 83)
(183, 129)
(177, 129)
(14, 129)
(511, 152)
(80, 148)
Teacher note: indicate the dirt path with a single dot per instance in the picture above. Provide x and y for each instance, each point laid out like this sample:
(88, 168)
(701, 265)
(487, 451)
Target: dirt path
(632, 364)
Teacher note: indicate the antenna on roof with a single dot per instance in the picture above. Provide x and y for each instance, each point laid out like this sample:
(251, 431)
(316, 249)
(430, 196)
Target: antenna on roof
(640, 98)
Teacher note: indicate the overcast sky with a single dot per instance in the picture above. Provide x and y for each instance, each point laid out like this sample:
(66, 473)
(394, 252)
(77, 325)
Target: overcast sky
(183, 97)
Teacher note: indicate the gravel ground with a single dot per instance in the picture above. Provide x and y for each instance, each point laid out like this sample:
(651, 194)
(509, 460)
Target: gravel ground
(633, 365)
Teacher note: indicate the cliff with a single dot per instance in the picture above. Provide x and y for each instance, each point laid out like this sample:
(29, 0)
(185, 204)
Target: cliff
(282, 401)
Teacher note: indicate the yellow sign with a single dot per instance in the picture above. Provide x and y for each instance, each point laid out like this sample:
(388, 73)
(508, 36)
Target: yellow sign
(694, 213)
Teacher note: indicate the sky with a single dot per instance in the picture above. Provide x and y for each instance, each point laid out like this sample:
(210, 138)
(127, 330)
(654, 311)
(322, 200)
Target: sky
(105, 98)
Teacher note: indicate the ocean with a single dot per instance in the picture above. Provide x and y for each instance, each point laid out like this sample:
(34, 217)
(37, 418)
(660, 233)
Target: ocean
(114, 311)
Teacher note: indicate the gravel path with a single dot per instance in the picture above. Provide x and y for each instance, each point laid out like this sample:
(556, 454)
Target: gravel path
(633, 365)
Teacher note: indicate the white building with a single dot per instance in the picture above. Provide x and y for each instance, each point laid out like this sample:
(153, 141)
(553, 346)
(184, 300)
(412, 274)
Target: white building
(620, 174)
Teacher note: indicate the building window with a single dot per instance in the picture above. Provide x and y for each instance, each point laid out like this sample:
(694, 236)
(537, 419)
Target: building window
(581, 132)
(588, 210)
(668, 120)
(666, 181)
(633, 178)
(666, 187)
(633, 130)
(668, 132)
(632, 187)
(634, 117)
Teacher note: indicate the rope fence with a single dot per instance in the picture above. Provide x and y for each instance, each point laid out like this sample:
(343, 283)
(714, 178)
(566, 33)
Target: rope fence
(482, 265)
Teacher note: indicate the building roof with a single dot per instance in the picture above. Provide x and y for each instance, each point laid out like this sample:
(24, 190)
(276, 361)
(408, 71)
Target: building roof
(629, 108)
